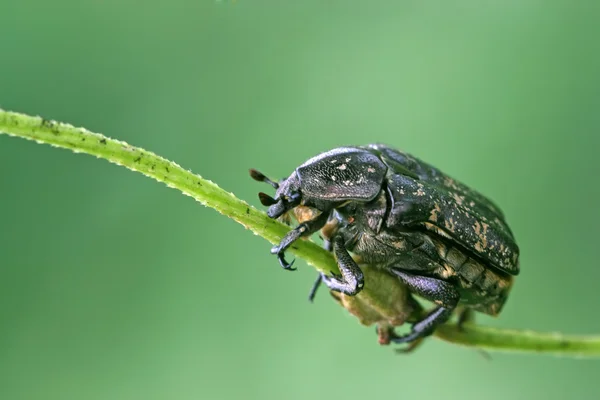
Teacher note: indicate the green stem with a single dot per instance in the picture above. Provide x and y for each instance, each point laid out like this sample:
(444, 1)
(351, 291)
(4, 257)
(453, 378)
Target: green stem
(209, 194)
(206, 192)
(521, 341)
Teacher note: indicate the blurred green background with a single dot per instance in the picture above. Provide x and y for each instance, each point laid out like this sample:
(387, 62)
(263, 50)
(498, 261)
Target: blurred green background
(114, 287)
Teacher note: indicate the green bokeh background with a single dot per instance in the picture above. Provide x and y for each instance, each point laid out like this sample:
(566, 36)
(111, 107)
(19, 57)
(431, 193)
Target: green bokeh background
(115, 287)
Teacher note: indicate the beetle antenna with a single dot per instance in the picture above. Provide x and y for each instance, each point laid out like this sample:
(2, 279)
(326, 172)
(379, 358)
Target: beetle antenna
(266, 200)
(259, 176)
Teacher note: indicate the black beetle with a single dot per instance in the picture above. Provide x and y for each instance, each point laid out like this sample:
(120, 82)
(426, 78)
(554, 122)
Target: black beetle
(445, 241)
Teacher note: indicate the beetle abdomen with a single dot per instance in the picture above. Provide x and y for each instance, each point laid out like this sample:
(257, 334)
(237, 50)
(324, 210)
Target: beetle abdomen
(483, 289)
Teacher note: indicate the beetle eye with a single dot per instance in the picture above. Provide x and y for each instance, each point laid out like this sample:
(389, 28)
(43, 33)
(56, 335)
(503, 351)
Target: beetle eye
(266, 200)
(294, 198)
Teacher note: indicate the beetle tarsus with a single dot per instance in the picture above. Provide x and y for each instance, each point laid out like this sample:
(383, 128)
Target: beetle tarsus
(412, 346)
(432, 289)
(387, 335)
(284, 264)
(351, 282)
(426, 327)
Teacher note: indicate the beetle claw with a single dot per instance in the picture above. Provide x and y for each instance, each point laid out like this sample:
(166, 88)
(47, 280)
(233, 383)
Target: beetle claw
(387, 336)
(410, 347)
(284, 264)
(279, 250)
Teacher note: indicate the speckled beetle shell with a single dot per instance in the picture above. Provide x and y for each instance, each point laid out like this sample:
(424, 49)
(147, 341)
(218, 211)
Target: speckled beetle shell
(437, 202)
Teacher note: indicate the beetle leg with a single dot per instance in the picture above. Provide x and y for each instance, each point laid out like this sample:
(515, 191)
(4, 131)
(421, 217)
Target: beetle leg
(432, 289)
(465, 316)
(352, 280)
(328, 231)
(315, 287)
(386, 335)
(412, 346)
(304, 229)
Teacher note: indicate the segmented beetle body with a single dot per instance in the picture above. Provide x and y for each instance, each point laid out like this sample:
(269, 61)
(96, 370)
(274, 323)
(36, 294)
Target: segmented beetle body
(443, 240)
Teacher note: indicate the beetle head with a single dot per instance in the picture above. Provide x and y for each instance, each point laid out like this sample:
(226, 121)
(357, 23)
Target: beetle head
(287, 195)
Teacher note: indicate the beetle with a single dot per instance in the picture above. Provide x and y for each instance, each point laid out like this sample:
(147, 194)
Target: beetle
(445, 241)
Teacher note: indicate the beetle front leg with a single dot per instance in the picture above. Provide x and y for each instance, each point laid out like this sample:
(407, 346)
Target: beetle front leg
(440, 292)
(352, 280)
(304, 229)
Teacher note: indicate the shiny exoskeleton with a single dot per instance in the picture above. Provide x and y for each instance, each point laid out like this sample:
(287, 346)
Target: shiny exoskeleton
(445, 241)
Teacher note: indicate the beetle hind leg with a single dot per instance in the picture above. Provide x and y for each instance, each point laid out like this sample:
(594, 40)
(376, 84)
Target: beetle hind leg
(438, 291)
(412, 346)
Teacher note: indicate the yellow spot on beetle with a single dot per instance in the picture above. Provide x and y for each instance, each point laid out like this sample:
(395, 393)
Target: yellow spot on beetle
(433, 217)
(459, 199)
(449, 224)
(481, 232)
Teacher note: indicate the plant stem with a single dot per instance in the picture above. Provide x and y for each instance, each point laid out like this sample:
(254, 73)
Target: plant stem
(209, 194)
(505, 340)
(81, 140)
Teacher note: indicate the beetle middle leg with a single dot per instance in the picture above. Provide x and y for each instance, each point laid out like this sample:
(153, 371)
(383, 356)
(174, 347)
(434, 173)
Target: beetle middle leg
(436, 290)
(465, 316)
(315, 287)
(304, 229)
(352, 280)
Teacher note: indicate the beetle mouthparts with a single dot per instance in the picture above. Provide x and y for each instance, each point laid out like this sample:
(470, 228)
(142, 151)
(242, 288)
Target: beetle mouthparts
(277, 210)
(266, 200)
(259, 176)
